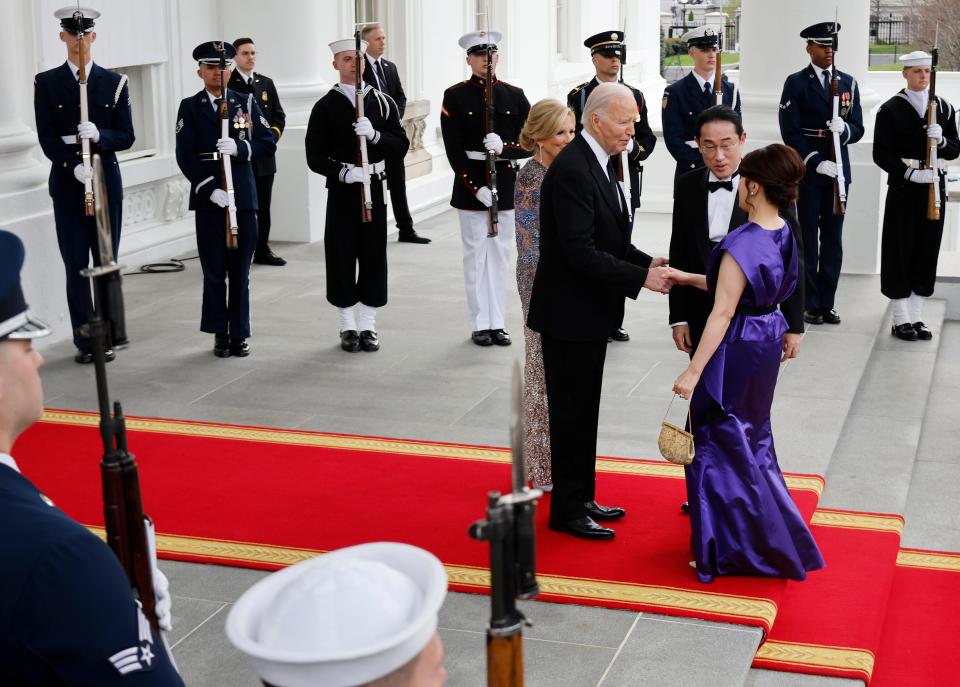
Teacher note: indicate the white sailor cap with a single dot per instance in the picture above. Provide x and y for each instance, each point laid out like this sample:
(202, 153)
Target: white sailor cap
(702, 37)
(344, 618)
(477, 41)
(345, 44)
(917, 58)
(70, 18)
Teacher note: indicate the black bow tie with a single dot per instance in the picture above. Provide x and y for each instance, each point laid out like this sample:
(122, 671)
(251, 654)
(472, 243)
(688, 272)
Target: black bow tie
(714, 185)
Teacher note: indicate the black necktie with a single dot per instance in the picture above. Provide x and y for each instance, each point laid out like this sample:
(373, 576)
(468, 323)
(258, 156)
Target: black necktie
(378, 68)
(250, 82)
(826, 81)
(708, 89)
(714, 185)
(614, 184)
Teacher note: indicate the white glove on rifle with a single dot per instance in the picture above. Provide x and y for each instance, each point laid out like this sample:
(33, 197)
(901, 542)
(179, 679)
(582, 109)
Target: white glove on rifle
(227, 146)
(89, 130)
(220, 197)
(828, 168)
(493, 142)
(353, 176)
(935, 131)
(922, 176)
(81, 173)
(692, 144)
(164, 608)
(837, 125)
(485, 196)
(630, 146)
(364, 128)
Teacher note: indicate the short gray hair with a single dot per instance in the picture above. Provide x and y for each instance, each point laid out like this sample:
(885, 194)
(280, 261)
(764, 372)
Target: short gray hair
(600, 99)
(368, 29)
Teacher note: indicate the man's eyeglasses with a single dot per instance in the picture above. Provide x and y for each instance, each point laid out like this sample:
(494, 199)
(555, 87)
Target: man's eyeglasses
(712, 148)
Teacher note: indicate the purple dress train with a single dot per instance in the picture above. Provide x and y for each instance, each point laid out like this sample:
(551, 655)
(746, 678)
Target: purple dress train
(742, 517)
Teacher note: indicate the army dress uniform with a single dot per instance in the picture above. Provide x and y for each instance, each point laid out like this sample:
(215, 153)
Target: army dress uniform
(226, 272)
(485, 259)
(684, 100)
(56, 104)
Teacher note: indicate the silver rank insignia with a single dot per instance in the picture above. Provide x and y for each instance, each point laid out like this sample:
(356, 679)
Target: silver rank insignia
(138, 658)
(179, 126)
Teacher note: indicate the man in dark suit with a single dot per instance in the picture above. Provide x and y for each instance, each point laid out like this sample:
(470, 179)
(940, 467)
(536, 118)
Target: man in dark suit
(587, 267)
(260, 89)
(56, 104)
(383, 75)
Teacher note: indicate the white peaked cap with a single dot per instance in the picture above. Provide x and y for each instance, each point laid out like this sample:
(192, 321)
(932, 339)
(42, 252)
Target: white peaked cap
(917, 58)
(348, 44)
(344, 618)
(67, 12)
(475, 38)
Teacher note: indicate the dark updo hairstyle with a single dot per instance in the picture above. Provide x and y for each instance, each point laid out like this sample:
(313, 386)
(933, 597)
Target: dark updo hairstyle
(778, 169)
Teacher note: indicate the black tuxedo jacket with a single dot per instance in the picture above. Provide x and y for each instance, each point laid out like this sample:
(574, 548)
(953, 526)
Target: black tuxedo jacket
(587, 264)
(690, 246)
(265, 94)
(392, 87)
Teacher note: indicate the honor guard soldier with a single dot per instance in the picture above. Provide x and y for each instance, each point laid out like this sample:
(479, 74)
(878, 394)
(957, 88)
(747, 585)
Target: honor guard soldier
(67, 612)
(108, 129)
(363, 615)
(684, 100)
(200, 151)
(243, 81)
(355, 242)
(911, 231)
(486, 255)
(608, 52)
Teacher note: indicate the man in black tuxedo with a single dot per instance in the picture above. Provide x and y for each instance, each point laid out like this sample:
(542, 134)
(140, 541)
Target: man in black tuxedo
(383, 75)
(587, 267)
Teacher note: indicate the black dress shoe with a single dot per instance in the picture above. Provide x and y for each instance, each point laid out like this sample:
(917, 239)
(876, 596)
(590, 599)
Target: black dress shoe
(481, 337)
(598, 512)
(923, 332)
(904, 331)
(221, 345)
(812, 317)
(411, 237)
(830, 316)
(369, 341)
(585, 528)
(500, 337)
(685, 508)
(239, 347)
(619, 335)
(350, 340)
(86, 357)
(268, 257)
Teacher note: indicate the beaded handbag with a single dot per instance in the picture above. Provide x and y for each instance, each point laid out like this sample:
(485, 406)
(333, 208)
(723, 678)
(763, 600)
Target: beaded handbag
(676, 443)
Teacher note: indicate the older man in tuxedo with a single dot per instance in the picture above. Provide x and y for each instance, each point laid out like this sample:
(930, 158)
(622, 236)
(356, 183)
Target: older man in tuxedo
(587, 268)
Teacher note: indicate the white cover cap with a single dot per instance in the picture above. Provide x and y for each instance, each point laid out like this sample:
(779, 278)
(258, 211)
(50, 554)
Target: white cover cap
(344, 618)
(474, 38)
(67, 12)
(345, 44)
(917, 58)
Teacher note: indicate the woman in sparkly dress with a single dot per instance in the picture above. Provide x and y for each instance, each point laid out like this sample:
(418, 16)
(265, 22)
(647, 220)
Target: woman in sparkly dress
(549, 128)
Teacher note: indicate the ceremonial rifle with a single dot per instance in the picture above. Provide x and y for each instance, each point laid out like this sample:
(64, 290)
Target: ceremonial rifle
(226, 169)
(488, 112)
(510, 531)
(836, 152)
(932, 161)
(366, 199)
(88, 203)
(717, 73)
(623, 159)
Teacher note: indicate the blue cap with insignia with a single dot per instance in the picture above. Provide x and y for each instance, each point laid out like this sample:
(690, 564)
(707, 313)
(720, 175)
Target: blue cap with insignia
(702, 37)
(72, 18)
(16, 321)
(609, 43)
(822, 33)
(209, 52)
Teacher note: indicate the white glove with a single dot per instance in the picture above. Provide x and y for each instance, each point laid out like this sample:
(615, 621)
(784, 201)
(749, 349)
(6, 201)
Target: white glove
(81, 174)
(493, 142)
(353, 176)
(692, 144)
(828, 168)
(161, 589)
(837, 125)
(630, 146)
(923, 176)
(220, 197)
(485, 196)
(935, 131)
(364, 128)
(89, 130)
(227, 146)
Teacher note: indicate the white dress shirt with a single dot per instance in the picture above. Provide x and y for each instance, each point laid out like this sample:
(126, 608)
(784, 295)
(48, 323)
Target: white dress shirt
(7, 459)
(373, 68)
(76, 69)
(720, 207)
(603, 158)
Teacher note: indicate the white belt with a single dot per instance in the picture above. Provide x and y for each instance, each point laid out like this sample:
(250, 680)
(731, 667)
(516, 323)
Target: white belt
(477, 155)
(919, 164)
(375, 167)
(70, 140)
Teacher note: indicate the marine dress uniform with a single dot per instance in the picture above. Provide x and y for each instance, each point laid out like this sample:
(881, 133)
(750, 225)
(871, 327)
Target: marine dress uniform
(911, 242)
(805, 113)
(226, 272)
(684, 100)
(56, 104)
(485, 259)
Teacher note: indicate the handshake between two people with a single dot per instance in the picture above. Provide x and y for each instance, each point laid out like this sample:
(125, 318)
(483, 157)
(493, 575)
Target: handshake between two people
(661, 277)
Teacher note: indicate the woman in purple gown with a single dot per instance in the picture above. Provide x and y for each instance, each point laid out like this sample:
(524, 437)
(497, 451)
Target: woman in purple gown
(742, 517)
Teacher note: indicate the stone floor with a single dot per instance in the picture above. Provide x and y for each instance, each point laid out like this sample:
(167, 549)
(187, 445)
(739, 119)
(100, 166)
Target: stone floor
(429, 382)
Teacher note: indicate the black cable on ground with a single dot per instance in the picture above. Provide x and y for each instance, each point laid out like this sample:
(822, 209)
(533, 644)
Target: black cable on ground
(171, 265)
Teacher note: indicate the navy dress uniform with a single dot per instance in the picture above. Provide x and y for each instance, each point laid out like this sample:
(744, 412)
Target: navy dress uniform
(910, 245)
(805, 113)
(486, 260)
(226, 272)
(684, 100)
(67, 613)
(56, 104)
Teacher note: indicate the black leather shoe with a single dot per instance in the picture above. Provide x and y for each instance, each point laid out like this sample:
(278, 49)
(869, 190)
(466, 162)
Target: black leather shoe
(904, 331)
(268, 257)
(411, 237)
(481, 337)
(685, 508)
(86, 357)
(369, 341)
(619, 335)
(598, 512)
(221, 345)
(350, 340)
(812, 317)
(239, 347)
(585, 528)
(500, 337)
(923, 332)
(830, 316)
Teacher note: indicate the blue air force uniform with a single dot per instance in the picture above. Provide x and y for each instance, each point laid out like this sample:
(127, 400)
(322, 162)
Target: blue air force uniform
(805, 108)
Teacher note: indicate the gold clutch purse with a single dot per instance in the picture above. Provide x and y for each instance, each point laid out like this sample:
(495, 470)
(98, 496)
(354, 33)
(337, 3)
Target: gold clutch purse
(676, 443)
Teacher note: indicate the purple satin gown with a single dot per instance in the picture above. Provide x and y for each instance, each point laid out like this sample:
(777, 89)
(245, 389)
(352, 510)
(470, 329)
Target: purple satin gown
(742, 517)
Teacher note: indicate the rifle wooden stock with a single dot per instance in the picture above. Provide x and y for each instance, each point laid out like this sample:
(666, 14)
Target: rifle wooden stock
(88, 203)
(493, 221)
(932, 161)
(718, 74)
(363, 161)
(226, 169)
(504, 660)
(839, 192)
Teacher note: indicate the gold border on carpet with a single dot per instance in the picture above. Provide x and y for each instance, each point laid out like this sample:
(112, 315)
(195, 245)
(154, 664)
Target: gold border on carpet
(931, 560)
(817, 656)
(378, 445)
(858, 521)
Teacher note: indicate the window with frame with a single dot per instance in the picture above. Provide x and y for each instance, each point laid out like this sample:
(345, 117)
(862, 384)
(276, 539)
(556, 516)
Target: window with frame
(142, 104)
